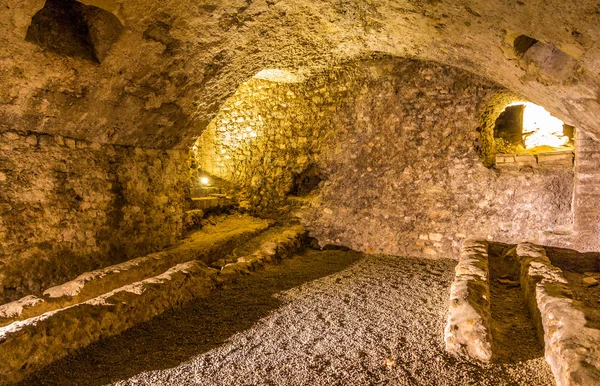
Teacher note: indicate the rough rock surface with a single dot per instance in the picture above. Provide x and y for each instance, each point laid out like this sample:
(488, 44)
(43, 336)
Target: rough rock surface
(176, 62)
(69, 206)
(394, 146)
(572, 346)
(467, 331)
(27, 345)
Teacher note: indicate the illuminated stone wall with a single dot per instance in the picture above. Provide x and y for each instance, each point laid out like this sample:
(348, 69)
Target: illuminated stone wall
(68, 206)
(404, 177)
(395, 142)
(268, 133)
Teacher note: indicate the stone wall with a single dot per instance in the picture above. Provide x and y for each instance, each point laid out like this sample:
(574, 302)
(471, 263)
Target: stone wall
(586, 202)
(395, 144)
(405, 177)
(68, 206)
(268, 134)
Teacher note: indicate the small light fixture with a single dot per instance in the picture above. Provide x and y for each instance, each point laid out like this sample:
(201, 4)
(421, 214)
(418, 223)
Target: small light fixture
(204, 181)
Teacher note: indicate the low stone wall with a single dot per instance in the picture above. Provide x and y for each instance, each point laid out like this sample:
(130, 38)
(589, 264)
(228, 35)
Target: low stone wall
(467, 331)
(572, 349)
(69, 206)
(28, 345)
(204, 245)
(586, 197)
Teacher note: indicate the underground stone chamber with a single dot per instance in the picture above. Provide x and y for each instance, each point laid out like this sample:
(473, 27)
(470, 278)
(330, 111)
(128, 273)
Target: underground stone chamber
(413, 183)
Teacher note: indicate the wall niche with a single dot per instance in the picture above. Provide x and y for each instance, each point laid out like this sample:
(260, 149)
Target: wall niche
(70, 28)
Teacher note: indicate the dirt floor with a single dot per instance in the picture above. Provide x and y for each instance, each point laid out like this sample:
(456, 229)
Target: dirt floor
(514, 336)
(322, 318)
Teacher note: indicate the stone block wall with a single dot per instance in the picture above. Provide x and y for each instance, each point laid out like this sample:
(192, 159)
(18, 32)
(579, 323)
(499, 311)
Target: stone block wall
(586, 198)
(268, 133)
(395, 143)
(404, 178)
(68, 206)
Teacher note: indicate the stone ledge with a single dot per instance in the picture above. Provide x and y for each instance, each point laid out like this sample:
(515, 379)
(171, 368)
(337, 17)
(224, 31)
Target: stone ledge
(467, 331)
(572, 349)
(26, 346)
(560, 159)
(203, 245)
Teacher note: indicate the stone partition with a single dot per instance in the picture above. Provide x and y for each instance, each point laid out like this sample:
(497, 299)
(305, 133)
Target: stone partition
(467, 331)
(69, 206)
(572, 346)
(586, 198)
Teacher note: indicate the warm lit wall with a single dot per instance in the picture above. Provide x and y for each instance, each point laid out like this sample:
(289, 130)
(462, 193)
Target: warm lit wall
(267, 133)
(404, 177)
(399, 161)
(69, 206)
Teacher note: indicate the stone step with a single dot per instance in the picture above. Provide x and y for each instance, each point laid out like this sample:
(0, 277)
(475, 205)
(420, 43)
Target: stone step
(587, 179)
(28, 345)
(205, 245)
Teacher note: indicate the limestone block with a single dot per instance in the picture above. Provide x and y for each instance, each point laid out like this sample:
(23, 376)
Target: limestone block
(572, 348)
(467, 331)
(556, 159)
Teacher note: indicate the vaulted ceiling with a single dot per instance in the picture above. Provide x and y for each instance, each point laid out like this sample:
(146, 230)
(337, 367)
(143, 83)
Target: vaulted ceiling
(175, 62)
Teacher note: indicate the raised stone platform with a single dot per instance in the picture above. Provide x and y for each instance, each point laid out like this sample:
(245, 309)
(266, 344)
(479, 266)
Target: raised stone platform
(35, 339)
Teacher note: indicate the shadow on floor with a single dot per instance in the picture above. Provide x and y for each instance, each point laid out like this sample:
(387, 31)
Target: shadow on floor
(179, 335)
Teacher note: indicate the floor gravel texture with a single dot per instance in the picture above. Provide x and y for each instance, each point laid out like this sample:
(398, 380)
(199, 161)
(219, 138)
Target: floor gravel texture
(321, 318)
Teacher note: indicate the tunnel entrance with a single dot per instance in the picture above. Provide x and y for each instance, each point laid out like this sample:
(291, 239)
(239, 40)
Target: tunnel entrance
(528, 128)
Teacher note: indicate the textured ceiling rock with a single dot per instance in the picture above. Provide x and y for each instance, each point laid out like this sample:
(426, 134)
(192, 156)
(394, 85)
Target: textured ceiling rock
(177, 61)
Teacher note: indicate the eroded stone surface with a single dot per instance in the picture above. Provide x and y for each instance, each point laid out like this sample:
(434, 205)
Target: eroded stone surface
(214, 240)
(467, 331)
(69, 206)
(572, 346)
(178, 61)
(393, 146)
(27, 345)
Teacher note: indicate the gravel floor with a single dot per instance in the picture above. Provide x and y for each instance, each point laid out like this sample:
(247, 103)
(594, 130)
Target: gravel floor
(323, 318)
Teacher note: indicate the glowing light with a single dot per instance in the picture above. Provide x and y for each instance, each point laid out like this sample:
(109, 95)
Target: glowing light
(279, 76)
(204, 181)
(540, 128)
